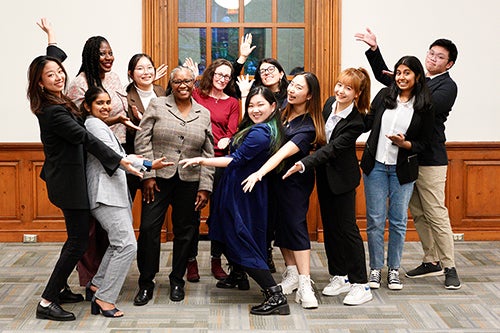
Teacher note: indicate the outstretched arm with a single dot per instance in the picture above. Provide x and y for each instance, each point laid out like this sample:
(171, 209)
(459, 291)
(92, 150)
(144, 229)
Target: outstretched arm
(219, 162)
(287, 150)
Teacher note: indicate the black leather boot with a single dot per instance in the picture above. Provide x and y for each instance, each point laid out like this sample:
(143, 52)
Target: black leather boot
(235, 279)
(275, 302)
(270, 261)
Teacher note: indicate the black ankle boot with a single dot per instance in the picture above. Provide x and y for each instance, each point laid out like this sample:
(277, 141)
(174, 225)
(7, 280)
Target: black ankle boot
(235, 279)
(275, 302)
(270, 261)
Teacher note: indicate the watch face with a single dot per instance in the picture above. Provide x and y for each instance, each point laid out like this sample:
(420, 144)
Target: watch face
(148, 164)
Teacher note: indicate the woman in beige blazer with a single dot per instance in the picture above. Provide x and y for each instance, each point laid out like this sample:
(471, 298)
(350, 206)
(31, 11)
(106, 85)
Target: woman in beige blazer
(176, 127)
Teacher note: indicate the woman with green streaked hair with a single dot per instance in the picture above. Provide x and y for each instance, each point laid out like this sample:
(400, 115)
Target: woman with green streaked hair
(242, 217)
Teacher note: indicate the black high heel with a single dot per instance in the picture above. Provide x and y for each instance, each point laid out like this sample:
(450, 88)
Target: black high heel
(95, 309)
(89, 293)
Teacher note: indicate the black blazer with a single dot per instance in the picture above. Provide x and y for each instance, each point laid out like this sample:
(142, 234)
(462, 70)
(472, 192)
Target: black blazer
(338, 157)
(418, 133)
(443, 95)
(56, 52)
(65, 142)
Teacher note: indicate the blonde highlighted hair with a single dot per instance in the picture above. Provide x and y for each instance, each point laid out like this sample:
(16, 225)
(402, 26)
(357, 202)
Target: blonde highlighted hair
(359, 80)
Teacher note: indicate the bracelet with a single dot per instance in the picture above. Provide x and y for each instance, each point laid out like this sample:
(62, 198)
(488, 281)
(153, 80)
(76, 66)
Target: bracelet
(52, 44)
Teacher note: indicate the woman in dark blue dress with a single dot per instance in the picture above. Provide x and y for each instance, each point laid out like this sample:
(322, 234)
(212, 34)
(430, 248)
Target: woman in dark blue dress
(304, 129)
(242, 217)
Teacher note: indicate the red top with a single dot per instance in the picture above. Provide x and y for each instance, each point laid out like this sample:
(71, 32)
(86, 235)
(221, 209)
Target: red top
(224, 114)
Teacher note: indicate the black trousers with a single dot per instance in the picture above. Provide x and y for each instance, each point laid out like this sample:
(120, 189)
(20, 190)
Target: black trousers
(77, 228)
(343, 243)
(181, 196)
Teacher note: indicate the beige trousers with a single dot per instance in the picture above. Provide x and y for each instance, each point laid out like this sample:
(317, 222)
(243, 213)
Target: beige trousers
(431, 215)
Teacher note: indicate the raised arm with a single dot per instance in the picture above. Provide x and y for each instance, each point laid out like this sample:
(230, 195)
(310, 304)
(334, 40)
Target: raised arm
(52, 49)
(377, 63)
(245, 48)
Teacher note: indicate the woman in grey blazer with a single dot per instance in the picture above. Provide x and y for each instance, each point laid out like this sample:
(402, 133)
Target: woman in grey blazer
(111, 205)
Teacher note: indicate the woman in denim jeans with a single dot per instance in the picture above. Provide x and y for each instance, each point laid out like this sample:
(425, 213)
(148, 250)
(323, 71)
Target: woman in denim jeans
(400, 120)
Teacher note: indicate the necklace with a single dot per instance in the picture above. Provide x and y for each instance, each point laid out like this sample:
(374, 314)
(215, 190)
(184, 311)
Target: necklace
(217, 98)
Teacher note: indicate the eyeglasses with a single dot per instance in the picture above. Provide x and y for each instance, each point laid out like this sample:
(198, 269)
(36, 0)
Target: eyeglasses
(268, 70)
(219, 76)
(187, 82)
(431, 54)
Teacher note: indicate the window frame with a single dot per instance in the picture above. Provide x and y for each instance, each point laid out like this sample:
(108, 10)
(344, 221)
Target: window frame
(321, 27)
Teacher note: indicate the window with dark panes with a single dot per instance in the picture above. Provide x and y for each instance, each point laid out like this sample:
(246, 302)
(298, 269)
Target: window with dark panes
(211, 29)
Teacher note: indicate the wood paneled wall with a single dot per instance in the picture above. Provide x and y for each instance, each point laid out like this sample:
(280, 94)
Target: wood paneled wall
(472, 196)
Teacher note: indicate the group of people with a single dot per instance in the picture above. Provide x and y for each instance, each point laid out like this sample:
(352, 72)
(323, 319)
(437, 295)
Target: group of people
(186, 145)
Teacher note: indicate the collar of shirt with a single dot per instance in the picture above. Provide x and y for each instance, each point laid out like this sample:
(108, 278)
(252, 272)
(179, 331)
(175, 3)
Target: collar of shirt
(433, 76)
(333, 118)
(342, 114)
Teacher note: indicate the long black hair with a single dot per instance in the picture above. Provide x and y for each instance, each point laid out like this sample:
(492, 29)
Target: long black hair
(40, 97)
(91, 60)
(273, 121)
(420, 90)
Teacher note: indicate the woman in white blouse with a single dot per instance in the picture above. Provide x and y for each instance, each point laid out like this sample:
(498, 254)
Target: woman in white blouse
(400, 120)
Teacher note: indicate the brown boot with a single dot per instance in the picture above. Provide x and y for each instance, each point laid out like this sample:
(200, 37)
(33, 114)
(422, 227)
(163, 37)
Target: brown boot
(192, 271)
(217, 270)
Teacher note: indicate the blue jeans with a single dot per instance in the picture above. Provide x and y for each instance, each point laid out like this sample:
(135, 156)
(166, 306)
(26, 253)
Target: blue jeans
(380, 185)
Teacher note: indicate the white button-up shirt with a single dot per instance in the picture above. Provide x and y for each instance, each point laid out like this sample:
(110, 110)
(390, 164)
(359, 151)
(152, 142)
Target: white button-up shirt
(394, 121)
(333, 119)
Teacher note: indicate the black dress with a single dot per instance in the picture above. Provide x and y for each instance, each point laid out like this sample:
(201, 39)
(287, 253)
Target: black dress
(292, 194)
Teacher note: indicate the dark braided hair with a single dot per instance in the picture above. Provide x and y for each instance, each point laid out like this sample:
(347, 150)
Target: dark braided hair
(91, 61)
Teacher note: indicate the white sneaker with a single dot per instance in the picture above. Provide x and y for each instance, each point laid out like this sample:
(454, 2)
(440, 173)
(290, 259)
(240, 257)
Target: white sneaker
(393, 281)
(359, 294)
(375, 278)
(338, 285)
(305, 293)
(290, 280)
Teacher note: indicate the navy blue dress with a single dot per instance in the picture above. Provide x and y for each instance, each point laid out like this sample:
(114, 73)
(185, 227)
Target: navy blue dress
(242, 217)
(291, 196)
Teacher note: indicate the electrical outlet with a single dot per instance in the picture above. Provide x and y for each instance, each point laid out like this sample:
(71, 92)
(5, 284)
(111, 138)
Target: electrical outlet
(458, 237)
(29, 238)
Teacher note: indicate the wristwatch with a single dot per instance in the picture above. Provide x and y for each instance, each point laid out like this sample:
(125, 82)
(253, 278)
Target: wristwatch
(147, 164)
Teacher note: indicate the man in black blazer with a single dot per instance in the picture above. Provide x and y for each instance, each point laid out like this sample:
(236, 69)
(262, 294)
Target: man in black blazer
(427, 203)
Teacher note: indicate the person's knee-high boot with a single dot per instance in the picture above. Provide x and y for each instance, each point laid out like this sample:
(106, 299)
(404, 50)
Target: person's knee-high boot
(275, 302)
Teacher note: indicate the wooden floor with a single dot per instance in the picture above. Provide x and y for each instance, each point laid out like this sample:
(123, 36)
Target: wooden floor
(424, 305)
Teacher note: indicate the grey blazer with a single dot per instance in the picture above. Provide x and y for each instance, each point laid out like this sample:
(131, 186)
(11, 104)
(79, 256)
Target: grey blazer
(104, 189)
(165, 132)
